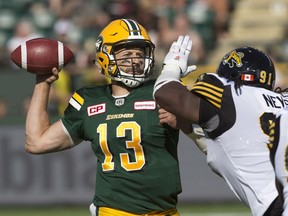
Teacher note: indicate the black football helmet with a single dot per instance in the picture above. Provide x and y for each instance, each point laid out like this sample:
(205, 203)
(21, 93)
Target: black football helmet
(248, 66)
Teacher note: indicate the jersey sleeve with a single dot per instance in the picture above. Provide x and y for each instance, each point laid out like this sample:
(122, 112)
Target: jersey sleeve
(209, 88)
(74, 116)
(216, 103)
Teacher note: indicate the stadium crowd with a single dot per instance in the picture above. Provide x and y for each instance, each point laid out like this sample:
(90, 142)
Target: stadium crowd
(77, 23)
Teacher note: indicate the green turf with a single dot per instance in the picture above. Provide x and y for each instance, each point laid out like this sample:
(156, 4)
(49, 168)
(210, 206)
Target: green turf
(213, 208)
(45, 211)
(184, 209)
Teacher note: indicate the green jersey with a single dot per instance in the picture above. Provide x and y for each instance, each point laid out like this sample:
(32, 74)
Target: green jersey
(137, 164)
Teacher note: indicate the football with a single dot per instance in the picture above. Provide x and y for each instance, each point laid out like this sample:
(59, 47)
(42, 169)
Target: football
(40, 55)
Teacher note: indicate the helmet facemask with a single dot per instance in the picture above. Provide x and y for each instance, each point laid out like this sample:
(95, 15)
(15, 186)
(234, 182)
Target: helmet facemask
(131, 70)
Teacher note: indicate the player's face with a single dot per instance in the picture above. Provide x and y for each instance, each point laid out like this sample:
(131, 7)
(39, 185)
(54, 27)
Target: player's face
(130, 61)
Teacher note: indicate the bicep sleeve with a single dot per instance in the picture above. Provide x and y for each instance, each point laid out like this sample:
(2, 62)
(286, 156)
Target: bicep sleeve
(216, 104)
(210, 89)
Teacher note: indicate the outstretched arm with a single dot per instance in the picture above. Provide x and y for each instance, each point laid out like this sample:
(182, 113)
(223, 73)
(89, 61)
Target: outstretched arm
(177, 99)
(41, 136)
(169, 93)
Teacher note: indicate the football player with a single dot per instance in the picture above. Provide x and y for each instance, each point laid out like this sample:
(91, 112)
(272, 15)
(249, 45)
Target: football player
(234, 107)
(279, 154)
(137, 164)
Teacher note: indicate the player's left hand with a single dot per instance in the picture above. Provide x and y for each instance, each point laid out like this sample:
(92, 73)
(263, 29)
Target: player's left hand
(171, 120)
(177, 57)
(167, 118)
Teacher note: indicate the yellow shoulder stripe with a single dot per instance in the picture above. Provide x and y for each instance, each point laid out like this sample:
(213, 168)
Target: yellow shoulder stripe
(212, 93)
(205, 89)
(78, 98)
(209, 86)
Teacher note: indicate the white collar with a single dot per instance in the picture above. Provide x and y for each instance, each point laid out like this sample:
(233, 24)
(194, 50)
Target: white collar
(120, 96)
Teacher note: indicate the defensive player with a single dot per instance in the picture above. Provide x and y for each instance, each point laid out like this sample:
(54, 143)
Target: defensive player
(233, 106)
(279, 154)
(137, 165)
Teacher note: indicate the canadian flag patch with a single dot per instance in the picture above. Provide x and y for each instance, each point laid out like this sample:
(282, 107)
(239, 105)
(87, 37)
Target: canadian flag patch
(145, 105)
(247, 77)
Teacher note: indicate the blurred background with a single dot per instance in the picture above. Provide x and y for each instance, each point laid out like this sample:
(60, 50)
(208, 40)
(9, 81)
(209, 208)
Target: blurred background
(66, 178)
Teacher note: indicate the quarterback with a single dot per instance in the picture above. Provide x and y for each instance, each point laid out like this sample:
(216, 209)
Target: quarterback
(234, 107)
(137, 165)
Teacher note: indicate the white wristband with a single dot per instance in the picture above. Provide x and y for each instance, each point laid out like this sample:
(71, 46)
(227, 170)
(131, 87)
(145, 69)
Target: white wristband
(167, 75)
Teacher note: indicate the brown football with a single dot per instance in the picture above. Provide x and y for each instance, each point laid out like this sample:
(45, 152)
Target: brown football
(40, 55)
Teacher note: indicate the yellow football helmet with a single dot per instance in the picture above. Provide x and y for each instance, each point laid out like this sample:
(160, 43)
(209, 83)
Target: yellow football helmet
(124, 32)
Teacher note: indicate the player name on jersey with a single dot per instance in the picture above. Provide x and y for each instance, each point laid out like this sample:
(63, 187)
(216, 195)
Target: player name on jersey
(280, 101)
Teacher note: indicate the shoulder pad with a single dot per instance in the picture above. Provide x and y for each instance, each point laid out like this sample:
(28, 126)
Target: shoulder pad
(209, 87)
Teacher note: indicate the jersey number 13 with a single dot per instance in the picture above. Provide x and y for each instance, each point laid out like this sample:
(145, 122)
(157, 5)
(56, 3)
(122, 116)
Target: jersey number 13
(134, 143)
